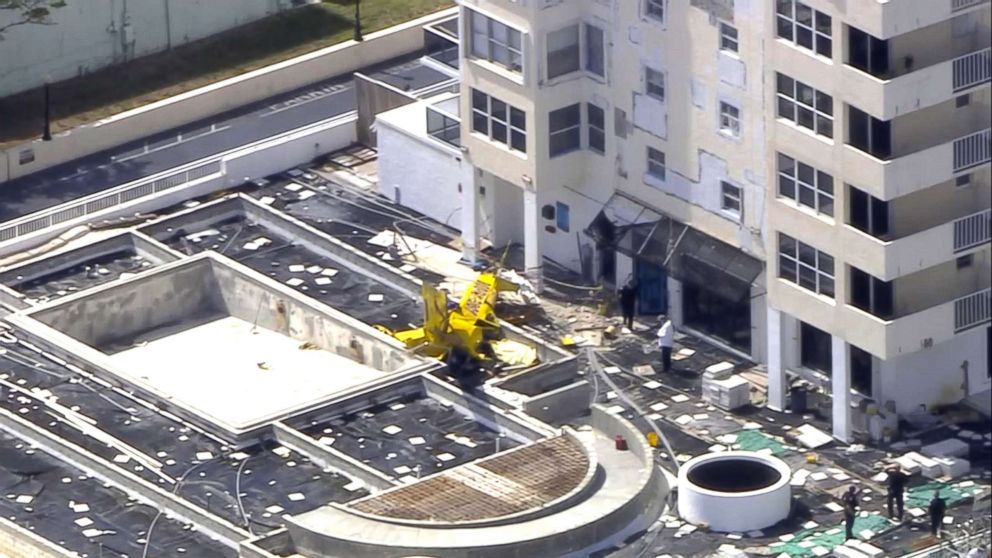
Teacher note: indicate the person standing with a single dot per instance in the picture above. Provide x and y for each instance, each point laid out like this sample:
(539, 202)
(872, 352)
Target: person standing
(896, 484)
(628, 302)
(938, 506)
(850, 502)
(666, 338)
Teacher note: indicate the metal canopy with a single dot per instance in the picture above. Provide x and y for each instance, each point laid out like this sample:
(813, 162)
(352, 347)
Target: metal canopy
(685, 253)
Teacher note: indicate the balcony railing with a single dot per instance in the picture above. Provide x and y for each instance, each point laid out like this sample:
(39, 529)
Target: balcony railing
(972, 69)
(957, 5)
(972, 310)
(973, 230)
(443, 126)
(972, 150)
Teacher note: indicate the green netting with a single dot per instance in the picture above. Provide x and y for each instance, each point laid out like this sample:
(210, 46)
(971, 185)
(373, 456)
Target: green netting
(920, 496)
(754, 440)
(828, 537)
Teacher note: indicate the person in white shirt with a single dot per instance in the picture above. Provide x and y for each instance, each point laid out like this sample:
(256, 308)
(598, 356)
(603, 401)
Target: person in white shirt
(666, 338)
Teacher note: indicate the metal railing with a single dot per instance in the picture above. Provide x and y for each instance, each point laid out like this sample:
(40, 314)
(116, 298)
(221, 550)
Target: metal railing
(105, 200)
(957, 5)
(972, 150)
(972, 310)
(973, 230)
(972, 69)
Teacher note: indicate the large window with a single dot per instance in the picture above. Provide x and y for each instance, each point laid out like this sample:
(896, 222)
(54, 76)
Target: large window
(804, 26)
(595, 50)
(867, 213)
(565, 129)
(805, 266)
(805, 185)
(728, 37)
(573, 48)
(731, 198)
(499, 121)
(654, 83)
(730, 120)
(596, 128)
(871, 294)
(805, 106)
(496, 42)
(655, 9)
(656, 163)
(869, 134)
(563, 51)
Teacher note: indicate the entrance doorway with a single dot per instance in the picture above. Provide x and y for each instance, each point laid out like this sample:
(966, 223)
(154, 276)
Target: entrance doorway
(652, 287)
(727, 320)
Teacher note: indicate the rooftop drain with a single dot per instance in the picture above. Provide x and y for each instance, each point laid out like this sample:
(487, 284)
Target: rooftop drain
(734, 491)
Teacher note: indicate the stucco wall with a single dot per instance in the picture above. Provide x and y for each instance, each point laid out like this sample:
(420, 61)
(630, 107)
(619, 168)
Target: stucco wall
(89, 35)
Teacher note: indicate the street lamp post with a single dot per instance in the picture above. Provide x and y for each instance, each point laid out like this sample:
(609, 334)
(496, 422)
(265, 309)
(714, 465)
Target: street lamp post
(47, 133)
(358, 21)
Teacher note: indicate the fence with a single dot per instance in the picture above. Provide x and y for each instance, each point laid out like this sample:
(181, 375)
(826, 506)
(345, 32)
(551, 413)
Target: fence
(973, 230)
(972, 69)
(972, 150)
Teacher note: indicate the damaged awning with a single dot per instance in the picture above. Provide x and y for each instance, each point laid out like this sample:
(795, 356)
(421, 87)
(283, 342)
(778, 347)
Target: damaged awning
(687, 254)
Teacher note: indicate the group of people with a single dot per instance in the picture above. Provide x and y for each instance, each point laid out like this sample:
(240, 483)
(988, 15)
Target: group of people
(894, 496)
(666, 333)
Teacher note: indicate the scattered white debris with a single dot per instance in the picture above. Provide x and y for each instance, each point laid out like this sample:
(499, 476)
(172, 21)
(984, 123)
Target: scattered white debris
(121, 458)
(615, 409)
(376, 297)
(239, 456)
(659, 407)
(297, 268)
(327, 440)
(204, 455)
(402, 470)
(392, 429)
(684, 420)
(812, 437)
(307, 194)
(679, 398)
(266, 200)
(834, 507)
(354, 485)
(445, 457)
(296, 497)
(83, 522)
(652, 384)
(417, 440)
(281, 451)
(322, 281)
(295, 282)
(92, 533)
(294, 187)
(274, 509)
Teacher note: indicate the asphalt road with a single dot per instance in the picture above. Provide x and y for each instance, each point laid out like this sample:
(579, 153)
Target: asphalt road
(185, 144)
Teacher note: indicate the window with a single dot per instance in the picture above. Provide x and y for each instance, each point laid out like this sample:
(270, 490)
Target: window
(561, 216)
(871, 294)
(595, 50)
(805, 266)
(565, 134)
(656, 163)
(730, 120)
(869, 134)
(868, 213)
(962, 101)
(563, 51)
(804, 26)
(499, 121)
(805, 106)
(815, 348)
(730, 198)
(867, 53)
(805, 185)
(596, 127)
(965, 261)
(963, 180)
(728, 37)
(654, 83)
(655, 9)
(496, 42)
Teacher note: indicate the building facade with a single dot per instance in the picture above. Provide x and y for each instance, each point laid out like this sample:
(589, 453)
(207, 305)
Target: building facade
(807, 183)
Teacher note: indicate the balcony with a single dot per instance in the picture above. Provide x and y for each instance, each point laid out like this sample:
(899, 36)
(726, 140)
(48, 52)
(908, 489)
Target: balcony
(926, 87)
(889, 18)
(889, 259)
(925, 316)
(916, 170)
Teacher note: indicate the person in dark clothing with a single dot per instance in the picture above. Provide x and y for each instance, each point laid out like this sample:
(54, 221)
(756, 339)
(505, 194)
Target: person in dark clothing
(628, 301)
(937, 508)
(896, 484)
(850, 501)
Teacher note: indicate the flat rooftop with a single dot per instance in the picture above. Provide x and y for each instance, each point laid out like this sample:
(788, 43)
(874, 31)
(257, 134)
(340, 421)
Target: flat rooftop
(269, 371)
(411, 437)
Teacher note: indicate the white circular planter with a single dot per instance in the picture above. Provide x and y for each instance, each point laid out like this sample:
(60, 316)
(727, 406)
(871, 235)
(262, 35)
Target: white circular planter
(734, 491)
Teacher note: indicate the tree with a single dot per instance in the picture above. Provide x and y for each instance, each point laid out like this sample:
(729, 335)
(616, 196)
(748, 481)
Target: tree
(26, 12)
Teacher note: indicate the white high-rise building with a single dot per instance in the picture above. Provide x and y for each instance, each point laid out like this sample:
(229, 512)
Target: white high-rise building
(805, 182)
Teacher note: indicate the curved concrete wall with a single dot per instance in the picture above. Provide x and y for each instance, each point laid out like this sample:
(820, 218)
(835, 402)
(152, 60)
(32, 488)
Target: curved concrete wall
(626, 502)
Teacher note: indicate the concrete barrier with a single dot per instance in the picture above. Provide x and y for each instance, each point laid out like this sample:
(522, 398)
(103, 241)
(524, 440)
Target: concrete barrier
(216, 98)
(560, 404)
(330, 458)
(18, 542)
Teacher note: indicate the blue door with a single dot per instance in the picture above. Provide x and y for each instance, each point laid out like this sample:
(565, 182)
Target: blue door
(652, 287)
